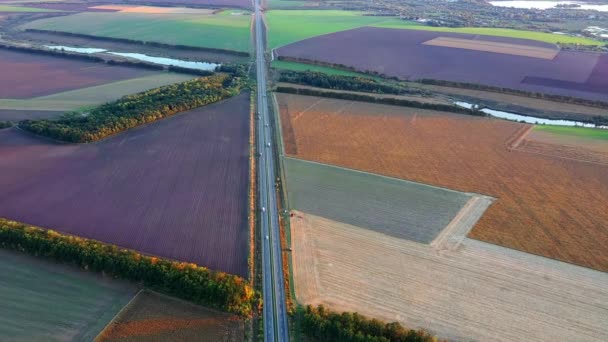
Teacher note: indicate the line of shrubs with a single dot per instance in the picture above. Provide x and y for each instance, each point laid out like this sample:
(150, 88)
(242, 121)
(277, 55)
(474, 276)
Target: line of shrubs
(321, 324)
(142, 65)
(134, 110)
(5, 124)
(475, 86)
(184, 280)
(140, 42)
(388, 101)
(339, 82)
(334, 65)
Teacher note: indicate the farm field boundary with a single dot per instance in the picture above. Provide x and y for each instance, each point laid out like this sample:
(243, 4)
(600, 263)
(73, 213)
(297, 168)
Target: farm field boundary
(478, 291)
(456, 231)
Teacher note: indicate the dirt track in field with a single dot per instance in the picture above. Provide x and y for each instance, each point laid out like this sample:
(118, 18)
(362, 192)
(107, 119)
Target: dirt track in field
(479, 291)
(544, 205)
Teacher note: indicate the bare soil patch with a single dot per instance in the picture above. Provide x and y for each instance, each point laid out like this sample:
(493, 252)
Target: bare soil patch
(496, 47)
(544, 205)
(478, 292)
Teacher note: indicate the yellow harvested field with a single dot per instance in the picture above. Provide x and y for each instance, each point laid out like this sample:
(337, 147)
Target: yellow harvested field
(154, 10)
(469, 291)
(496, 47)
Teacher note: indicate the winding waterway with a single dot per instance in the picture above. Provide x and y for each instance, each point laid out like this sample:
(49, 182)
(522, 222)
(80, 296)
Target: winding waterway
(527, 118)
(142, 57)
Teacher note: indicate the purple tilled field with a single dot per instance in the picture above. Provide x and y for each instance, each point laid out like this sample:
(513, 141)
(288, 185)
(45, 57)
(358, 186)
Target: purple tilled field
(176, 188)
(401, 53)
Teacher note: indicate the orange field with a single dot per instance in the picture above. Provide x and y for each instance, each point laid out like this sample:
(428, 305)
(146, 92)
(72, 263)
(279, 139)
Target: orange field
(545, 205)
(154, 317)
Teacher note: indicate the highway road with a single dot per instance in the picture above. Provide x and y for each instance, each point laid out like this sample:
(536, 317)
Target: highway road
(275, 309)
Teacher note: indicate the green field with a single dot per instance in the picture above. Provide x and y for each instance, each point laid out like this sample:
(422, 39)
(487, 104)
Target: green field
(44, 301)
(91, 96)
(395, 207)
(7, 8)
(285, 27)
(499, 32)
(222, 31)
(591, 133)
(303, 24)
(318, 68)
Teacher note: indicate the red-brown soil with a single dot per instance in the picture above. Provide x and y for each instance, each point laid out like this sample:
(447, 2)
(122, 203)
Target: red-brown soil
(26, 75)
(546, 206)
(154, 317)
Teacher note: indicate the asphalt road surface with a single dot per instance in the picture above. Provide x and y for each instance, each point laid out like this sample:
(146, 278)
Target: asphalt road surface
(275, 309)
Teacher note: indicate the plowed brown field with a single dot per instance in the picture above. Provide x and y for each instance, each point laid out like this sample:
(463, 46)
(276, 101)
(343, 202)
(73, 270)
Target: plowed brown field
(546, 206)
